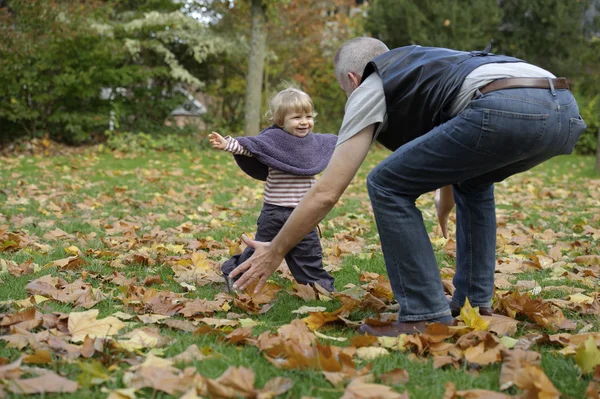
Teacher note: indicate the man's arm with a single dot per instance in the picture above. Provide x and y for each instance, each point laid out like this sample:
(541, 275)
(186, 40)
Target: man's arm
(315, 205)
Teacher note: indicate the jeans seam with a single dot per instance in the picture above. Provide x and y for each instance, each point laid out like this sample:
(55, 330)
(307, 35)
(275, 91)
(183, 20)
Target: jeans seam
(377, 219)
(469, 243)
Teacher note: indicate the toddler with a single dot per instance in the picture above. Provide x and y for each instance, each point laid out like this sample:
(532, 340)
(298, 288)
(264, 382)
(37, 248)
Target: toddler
(287, 155)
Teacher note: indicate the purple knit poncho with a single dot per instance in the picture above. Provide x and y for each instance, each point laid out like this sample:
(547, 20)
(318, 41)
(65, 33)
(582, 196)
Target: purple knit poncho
(275, 148)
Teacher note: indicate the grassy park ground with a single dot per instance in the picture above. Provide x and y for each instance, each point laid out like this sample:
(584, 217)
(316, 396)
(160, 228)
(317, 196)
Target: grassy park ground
(108, 272)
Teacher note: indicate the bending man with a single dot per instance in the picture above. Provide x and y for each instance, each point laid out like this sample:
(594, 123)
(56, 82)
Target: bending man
(455, 121)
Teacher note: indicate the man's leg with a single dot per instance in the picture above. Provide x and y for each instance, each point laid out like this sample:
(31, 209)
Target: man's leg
(500, 134)
(476, 254)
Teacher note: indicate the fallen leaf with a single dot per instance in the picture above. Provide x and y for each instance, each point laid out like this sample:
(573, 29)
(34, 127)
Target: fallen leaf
(361, 390)
(394, 377)
(587, 355)
(82, 324)
(49, 382)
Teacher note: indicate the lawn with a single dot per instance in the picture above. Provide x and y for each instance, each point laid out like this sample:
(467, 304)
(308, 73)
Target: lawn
(139, 238)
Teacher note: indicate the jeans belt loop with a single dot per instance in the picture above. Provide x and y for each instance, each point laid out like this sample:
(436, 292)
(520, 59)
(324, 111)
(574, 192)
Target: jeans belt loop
(552, 87)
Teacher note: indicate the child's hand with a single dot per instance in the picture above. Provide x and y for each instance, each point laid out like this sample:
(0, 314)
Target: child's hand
(217, 141)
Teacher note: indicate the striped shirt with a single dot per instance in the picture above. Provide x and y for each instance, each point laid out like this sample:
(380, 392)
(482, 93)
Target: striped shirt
(282, 188)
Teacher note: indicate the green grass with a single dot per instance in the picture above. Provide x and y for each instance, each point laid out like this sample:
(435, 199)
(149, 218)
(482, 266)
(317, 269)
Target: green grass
(85, 195)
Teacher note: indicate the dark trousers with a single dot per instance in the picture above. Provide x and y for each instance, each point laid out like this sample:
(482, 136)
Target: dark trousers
(305, 260)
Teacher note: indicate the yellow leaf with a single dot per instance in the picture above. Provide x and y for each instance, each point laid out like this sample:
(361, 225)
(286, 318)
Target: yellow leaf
(472, 318)
(226, 307)
(247, 322)
(509, 342)
(580, 298)
(73, 250)
(587, 356)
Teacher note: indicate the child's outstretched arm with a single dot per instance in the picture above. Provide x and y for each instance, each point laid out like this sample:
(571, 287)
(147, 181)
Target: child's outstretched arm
(228, 144)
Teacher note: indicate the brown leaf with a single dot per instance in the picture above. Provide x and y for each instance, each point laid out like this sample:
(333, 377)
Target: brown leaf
(361, 390)
(191, 354)
(304, 291)
(593, 390)
(233, 383)
(49, 382)
(588, 260)
(41, 356)
(394, 377)
(12, 370)
(274, 387)
(149, 280)
(239, 335)
(514, 361)
(359, 341)
(534, 382)
(452, 393)
(86, 323)
(70, 263)
(501, 325)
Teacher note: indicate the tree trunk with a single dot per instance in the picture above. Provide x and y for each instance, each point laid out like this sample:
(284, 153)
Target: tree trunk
(598, 154)
(256, 64)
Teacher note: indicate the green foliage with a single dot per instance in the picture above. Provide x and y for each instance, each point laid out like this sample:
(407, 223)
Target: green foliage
(462, 24)
(58, 57)
(52, 65)
(548, 33)
(140, 142)
(588, 108)
(559, 36)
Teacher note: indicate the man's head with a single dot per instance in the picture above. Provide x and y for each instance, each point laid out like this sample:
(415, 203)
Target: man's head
(351, 59)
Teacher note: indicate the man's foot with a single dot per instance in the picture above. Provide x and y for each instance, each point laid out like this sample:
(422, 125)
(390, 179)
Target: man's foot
(483, 311)
(397, 328)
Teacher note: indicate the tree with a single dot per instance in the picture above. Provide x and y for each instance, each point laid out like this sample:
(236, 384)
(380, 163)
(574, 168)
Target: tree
(256, 63)
(461, 24)
(57, 58)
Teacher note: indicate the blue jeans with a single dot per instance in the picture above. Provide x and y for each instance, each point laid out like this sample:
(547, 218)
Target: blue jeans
(498, 135)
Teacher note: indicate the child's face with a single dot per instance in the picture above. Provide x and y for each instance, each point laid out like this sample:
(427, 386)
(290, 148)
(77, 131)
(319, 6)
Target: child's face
(298, 123)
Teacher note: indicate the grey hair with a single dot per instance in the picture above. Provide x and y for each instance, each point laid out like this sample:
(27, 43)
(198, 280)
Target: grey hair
(355, 54)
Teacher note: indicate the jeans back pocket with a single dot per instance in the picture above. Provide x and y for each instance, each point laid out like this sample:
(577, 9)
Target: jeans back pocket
(576, 128)
(510, 133)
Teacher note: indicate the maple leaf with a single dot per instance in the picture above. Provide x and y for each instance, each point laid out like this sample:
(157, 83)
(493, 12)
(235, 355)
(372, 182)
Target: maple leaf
(82, 324)
(472, 318)
(587, 355)
(535, 384)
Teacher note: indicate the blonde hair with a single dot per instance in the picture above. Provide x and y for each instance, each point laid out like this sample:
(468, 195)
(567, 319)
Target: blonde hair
(355, 54)
(286, 101)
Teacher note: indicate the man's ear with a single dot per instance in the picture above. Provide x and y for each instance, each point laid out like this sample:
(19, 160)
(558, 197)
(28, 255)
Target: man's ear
(354, 79)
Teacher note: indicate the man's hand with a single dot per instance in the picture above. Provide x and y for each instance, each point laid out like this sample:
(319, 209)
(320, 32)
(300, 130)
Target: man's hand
(444, 203)
(260, 266)
(217, 141)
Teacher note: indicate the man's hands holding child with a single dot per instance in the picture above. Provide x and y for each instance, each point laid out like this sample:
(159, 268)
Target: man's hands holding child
(259, 267)
(217, 141)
